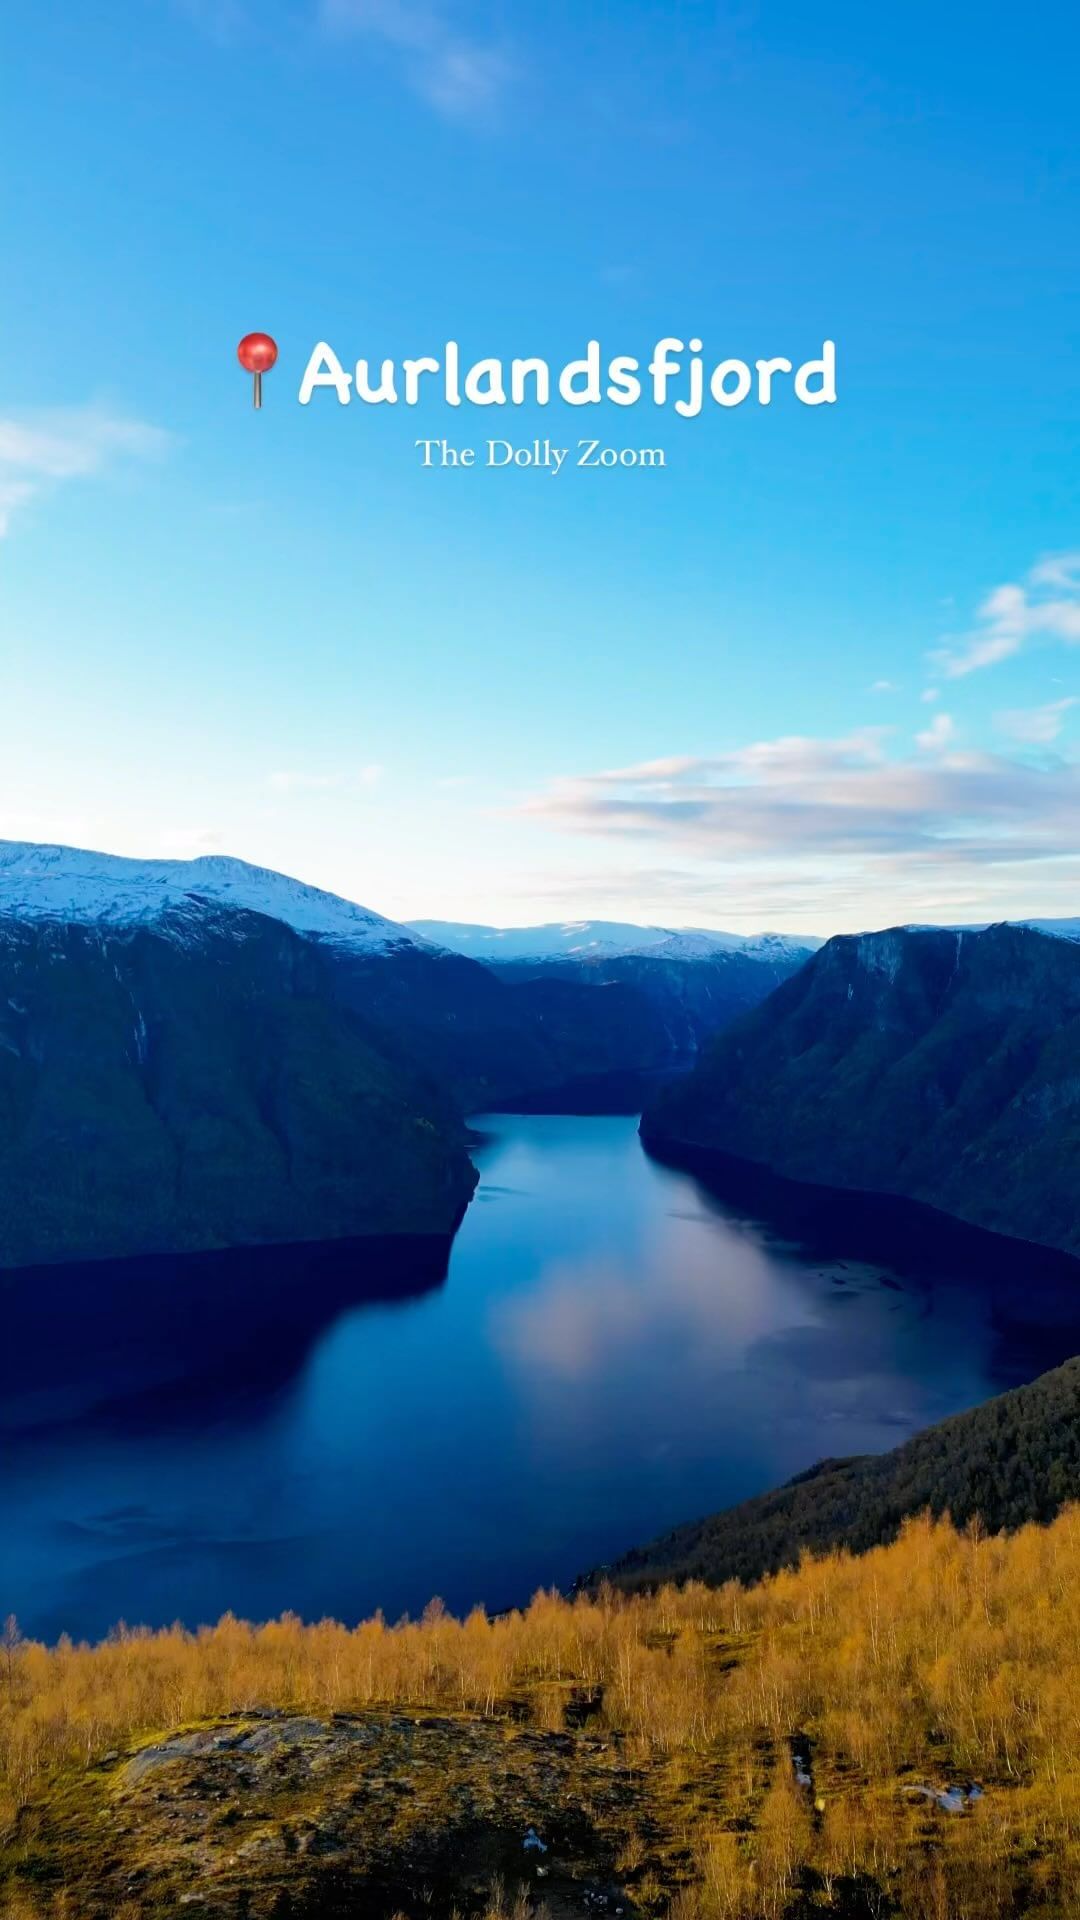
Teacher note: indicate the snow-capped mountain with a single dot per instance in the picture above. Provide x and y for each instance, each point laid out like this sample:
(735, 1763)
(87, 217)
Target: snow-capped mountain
(1067, 929)
(585, 940)
(1058, 929)
(76, 887)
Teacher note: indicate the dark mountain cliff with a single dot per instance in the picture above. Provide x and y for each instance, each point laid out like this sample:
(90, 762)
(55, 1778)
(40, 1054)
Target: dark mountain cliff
(689, 1000)
(687, 986)
(192, 1084)
(495, 1042)
(941, 1066)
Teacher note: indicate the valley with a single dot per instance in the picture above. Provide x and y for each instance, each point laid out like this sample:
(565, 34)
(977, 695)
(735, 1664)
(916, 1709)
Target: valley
(337, 1274)
(206, 1054)
(612, 1346)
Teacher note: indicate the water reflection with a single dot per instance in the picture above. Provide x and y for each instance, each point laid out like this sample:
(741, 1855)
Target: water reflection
(135, 1342)
(618, 1345)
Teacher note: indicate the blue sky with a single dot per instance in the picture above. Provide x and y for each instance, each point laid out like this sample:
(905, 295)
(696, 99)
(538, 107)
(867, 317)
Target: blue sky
(820, 672)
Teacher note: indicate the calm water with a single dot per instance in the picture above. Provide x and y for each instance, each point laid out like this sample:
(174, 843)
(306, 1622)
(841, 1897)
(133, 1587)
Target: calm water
(614, 1348)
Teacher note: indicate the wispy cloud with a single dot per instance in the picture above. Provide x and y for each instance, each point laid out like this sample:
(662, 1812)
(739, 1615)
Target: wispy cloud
(868, 833)
(1058, 570)
(43, 450)
(1035, 726)
(299, 780)
(1046, 605)
(938, 735)
(459, 73)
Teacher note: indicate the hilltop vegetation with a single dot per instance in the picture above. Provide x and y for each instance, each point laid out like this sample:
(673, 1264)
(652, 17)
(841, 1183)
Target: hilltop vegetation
(805, 1746)
(1014, 1459)
(940, 1066)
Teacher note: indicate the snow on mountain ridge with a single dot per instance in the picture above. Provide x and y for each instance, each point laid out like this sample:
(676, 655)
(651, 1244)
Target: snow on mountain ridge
(1057, 929)
(72, 884)
(605, 940)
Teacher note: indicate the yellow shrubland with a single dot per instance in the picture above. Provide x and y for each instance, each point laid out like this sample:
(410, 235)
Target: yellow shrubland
(942, 1658)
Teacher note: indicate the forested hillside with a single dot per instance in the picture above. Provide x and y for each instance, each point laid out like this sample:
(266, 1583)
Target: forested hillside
(940, 1066)
(1015, 1459)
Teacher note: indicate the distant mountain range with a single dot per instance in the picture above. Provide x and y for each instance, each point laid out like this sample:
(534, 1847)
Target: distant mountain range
(693, 981)
(942, 1066)
(586, 941)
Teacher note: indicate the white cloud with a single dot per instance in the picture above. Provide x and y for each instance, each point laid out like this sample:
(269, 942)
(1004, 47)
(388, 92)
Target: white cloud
(1035, 726)
(847, 831)
(460, 75)
(884, 686)
(1046, 605)
(43, 450)
(938, 735)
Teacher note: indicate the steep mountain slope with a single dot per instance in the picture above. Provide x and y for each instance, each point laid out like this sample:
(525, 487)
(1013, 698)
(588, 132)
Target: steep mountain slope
(501, 1042)
(583, 940)
(486, 1040)
(193, 1084)
(1014, 1460)
(943, 1066)
(694, 981)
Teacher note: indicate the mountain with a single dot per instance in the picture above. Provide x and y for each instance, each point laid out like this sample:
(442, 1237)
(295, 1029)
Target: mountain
(202, 1054)
(1063, 929)
(941, 1066)
(74, 887)
(589, 940)
(516, 1044)
(188, 1080)
(694, 981)
(483, 1040)
(1015, 1459)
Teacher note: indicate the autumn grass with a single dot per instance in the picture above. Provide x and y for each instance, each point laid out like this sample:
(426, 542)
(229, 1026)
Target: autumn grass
(946, 1658)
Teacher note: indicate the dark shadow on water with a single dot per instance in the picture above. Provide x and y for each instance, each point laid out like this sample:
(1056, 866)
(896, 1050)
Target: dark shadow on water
(168, 1339)
(1033, 1292)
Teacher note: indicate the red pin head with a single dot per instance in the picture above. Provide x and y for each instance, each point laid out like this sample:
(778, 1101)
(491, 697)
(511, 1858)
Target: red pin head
(257, 353)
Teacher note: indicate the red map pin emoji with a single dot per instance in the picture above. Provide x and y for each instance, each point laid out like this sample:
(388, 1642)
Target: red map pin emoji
(257, 353)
